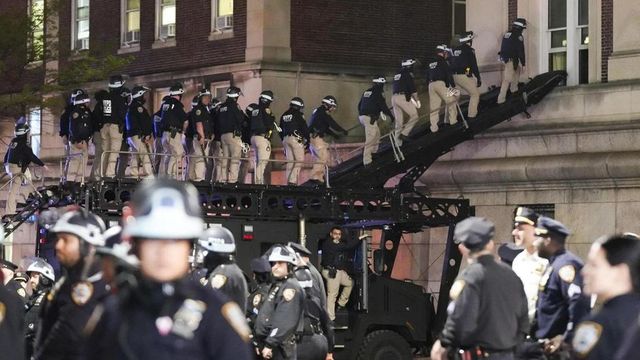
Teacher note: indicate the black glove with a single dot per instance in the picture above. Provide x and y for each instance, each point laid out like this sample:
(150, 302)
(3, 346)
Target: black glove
(479, 82)
(372, 121)
(408, 97)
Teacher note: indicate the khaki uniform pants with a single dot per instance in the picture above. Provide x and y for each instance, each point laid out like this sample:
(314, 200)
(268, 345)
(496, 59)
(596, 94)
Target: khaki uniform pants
(158, 159)
(245, 166)
(437, 94)
(401, 106)
(320, 152)
(262, 148)
(197, 165)
(371, 138)
(78, 163)
(97, 155)
(231, 147)
(111, 141)
(470, 85)
(333, 288)
(216, 151)
(174, 148)
(510, 78)
(294, 151)
(142, 158)
(17, 176)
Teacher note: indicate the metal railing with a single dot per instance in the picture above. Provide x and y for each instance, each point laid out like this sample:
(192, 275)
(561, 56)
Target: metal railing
(64, 166)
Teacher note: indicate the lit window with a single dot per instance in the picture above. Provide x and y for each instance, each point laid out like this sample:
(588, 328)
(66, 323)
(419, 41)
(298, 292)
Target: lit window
(459, 17)
(36, 40)
(34, 118)
(166, 19)
(222, 17)
(130, 22)
(80, 24)
(219, 90)
(568, 39)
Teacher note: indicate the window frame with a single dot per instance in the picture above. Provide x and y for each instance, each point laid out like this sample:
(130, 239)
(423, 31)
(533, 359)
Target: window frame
(35, 124)
(124, 25)
(214, 18)
(74, 25)
(223, 85)
(158, 29)
(453, 16)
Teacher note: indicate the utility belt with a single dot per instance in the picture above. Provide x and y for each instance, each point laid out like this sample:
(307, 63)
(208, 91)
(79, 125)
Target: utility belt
(475, 353)
(311, 329)
(264, 135)
(465, 71)
(174, 131)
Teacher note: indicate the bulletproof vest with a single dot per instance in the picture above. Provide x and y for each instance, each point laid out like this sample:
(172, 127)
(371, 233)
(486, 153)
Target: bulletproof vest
(170, 118)
(369, 102)
(113, 108)
(80, 126)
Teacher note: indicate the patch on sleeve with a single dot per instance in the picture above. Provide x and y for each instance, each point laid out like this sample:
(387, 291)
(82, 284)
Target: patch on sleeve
(456, 289)
(586, 337)
(3, 311)
(22, 292)
(218, 281)
(288, 294)
(81, 292)
(234, 316)
(567, 273)
(256, 300)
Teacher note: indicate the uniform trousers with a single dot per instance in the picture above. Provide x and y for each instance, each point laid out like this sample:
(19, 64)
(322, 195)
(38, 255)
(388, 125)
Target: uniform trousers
(111, 141)
(400, 107)
(217, 153)
(97, 156)
(371, 138)
(438, 93)
(232, 148)
(294, 151)
(510, 79)
(262, 147)
(142, 157)
(333, 288)
(320, 151)
(174, 149)
(78, 163)
(470, 85)
(17, 176)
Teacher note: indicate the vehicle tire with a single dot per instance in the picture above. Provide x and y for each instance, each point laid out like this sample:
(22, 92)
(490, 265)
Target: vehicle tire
(384, 345)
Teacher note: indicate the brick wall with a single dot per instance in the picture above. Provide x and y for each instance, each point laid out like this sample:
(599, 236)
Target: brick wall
(513, 10)
(606, 37)
(376, 33)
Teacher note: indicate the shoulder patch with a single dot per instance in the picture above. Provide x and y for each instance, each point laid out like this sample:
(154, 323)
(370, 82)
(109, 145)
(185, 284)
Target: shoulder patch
(456, 289)
(218, 281)
(140, 109)
(507, 35)
(81, 292)
(3, 311)
(288, 294)
(203, 280)
(567, 273)
(433, 65)
(256, 300)
(198, 112)
(586, 337)
(22, 292)
(234, 316)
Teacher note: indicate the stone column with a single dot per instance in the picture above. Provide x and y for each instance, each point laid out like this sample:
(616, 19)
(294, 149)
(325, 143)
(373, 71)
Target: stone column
(268, 31)
(624, 63)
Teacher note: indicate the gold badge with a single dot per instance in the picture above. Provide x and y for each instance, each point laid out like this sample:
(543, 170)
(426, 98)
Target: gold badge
(288, 294)
(81, 292)
(256, 300)
(234, 316)
(567, 273)
(545, 278)
(456, 289)
(586, 337)
(3, 310)
(140, 109)
(218, 281)
(22, 292)
(268, 111)
(198, 112)
(75, 115)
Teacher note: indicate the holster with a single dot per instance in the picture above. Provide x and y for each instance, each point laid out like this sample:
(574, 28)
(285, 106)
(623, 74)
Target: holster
(174, 131)
(516, 62)
(333, 272)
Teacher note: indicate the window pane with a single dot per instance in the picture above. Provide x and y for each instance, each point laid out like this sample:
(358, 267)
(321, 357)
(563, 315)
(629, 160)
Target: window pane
(583, 66)
(83, 13)
(558, 61)
(558, 39)
(584, 36)
(82, 3)
(557, 14)
(133, 20)
(83, 29)
(225, 7)
(168, 2)
(460, 18)
(169, 15)
(133, 4)
(583, 12)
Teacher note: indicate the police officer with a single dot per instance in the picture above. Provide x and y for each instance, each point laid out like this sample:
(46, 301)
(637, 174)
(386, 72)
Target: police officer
(96, 139)
(245, 153)
(561, 304)
(174, 124)
(280, 316)
(262, 276)
(199, 119)
(465, 72)
(223, 272)
(69, 305)
(322, 124)
(441, 88)
(139, 130)
(8, 270)
(166, 315)
(11, 324)
(371, 107)
(41, 279)
(118, 263)
(262, 127)
(81, 129)
(112, 111)
(9, 275)
(405, 100)
(512, 55)
(230, 118)
(318, 288)
(611, 274)
(64, 126)
(158, 159)
(488, 314)
(214, 167)
(295, 138)
(16, 163)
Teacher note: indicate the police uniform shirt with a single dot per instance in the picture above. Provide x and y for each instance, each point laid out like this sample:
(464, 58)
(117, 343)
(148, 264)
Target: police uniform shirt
(64, 120)
(138, 120)
(403, 83)
(438, 70)
(561, 304)
(255, 301)
(293, 121)
(11, 325)
(339, 254)
(229, 279)
(213, 130)
(199, 114)
(179, 320)
(31, 319)
(488, 308)
(112, 108)
(530, 268)
(230, 117)
(601, 334)
(173, 116)
(262, 121)
(372, 103)
(322, 123)
(512, 47)
(318, 284)
(464, 57)
(81, 126)
(21, 154)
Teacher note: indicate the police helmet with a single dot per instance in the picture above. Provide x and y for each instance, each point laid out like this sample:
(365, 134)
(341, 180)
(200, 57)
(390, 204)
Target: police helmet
(114, 246)
(176, 89)
(266, 96)
(467, 37)
(330, 100)
(284, 254)
(165, 209)
(408, 62)
(204, 92)
(76, 92)
(520, 22)
(442, 48)
(125, 92)
(83, 224)
(22, 128)
(379, 79)
(195, 100)
(138, 91)
(296, 103)
(116, 81)
(249, 109)
(218, 239)
(81, 99)
(42, 267)
(233, 92)
(215, 102)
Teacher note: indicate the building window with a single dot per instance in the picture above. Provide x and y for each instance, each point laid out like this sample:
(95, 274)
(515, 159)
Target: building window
(568, 39)
(222, 15)
(130, 22)
(166, 11)
(36, 38)
(219, 90)
(80, 33)
(34, 119)
(459, 17)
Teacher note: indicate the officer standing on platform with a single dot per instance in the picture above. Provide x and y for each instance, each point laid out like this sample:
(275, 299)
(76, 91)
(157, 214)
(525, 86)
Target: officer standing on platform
(488, 310)
(281, 314)
(64, 125)
(295, 138)
(199, 119)
(111, 112)
(371, 107)
(223, 272)
(262, 128)
(441, 88)
(561, 304)
(466, 73)
(230, 118)
(610, 273)
(140, 130)
(512, 55)
(405, 100)
(81, 128)
(322, 124)
(69, 305)
(173, 120)
(214, 167)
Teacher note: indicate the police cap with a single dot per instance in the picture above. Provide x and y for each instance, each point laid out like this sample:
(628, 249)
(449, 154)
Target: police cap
(520, 22)
(8, 265)
(20, 276)
(547, 226)
(260, 265)
(474, 232)
(467, 36)
(524, 215)
(299, 249)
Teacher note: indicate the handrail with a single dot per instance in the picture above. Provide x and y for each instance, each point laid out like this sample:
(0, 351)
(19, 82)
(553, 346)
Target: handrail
(134, 153)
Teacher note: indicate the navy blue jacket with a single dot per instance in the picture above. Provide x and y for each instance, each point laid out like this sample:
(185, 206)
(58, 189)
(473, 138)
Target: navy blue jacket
(403, 83)
(439, 70)
(322, 123)
(372, 103)
(512, 47)
(464, 57)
